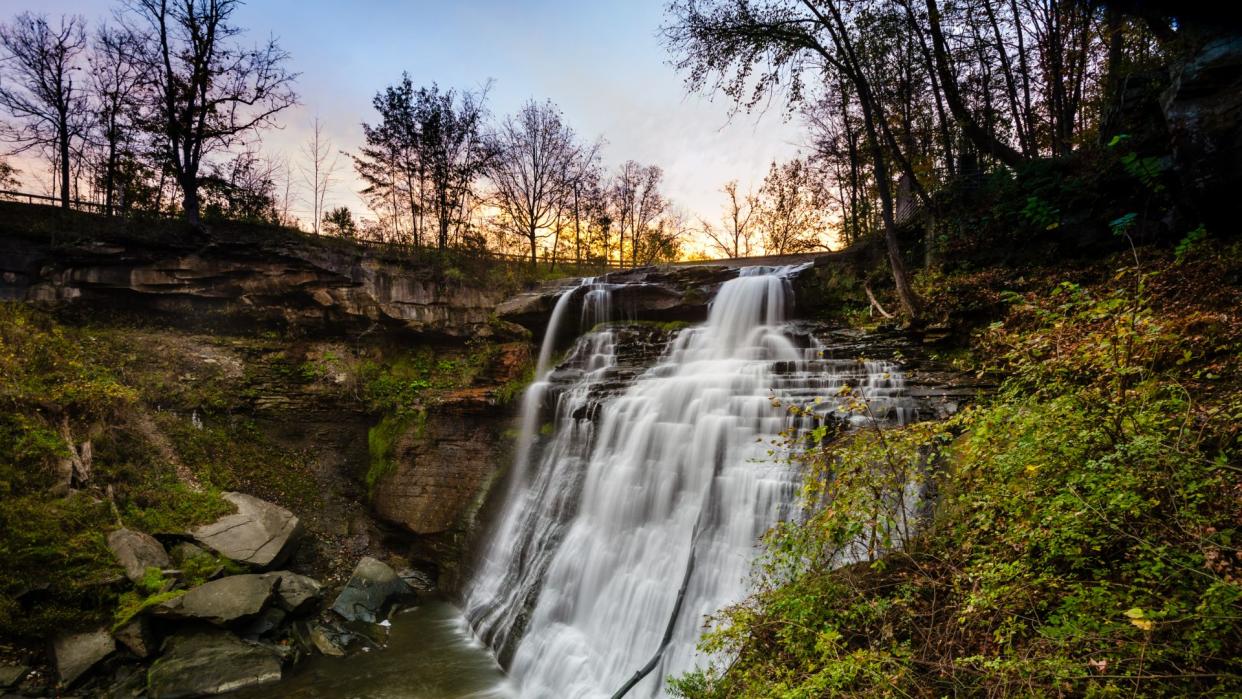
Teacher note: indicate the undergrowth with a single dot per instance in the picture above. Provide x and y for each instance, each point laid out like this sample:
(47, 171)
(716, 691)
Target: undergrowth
(1077, 531)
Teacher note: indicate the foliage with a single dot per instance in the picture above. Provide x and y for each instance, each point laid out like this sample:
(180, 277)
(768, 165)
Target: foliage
(1083, 539)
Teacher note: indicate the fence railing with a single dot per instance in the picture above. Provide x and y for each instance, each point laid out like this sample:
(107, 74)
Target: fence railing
(45, 200)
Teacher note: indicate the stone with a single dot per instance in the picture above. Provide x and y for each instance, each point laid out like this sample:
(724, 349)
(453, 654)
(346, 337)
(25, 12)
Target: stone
(184, 551)
(11, 674)
(137, 552)
(260, 534)
(295, 593)
(234, 599)
(268, 621)
(74, 654)
(373, 586)
(323, 642)
(136, 637)
(205, 662)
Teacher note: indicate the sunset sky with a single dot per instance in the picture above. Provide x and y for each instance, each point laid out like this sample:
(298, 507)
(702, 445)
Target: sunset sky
(602, 62)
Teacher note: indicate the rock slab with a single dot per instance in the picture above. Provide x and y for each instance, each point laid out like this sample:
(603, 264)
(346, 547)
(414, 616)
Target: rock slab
(225, 601)
(207, 662)
(11, 674)
(74, 654)
(136, 552)
(261, 534)
(370, 590)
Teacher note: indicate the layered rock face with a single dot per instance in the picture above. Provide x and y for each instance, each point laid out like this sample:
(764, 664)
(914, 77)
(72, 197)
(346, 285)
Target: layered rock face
(287, 279)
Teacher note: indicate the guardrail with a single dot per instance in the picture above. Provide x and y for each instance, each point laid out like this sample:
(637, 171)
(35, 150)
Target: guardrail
(45, 200)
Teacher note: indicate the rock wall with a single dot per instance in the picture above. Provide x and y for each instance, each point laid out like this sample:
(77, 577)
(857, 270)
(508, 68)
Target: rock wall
(257, 278)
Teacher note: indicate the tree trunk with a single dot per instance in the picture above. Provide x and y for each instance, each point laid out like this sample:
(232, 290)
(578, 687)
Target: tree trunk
(534, 251)
(189, 202)
(63, 137)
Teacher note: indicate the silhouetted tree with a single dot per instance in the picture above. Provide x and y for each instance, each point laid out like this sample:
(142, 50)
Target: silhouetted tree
(787, 211)
(533, 171)
(317, 171)
(736, 234)
(116, 81)
(340, 222)
(39, 61)
(206, 91)
(637, 203)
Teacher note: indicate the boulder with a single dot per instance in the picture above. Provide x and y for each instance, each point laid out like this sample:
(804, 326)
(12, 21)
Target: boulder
(260, 534)
(137, 552)
(294, 593)
(74, 654)
(136, 636)
(370, 590)
(205, 662)
(225, 601)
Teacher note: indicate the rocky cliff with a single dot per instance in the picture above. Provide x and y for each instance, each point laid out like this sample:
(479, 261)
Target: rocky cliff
(240, 276)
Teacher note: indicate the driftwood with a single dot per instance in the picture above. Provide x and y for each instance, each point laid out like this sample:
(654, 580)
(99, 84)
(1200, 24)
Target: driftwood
(668, 630)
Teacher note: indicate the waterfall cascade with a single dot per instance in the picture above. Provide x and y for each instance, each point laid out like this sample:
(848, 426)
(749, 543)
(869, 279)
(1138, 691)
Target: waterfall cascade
(642, 467)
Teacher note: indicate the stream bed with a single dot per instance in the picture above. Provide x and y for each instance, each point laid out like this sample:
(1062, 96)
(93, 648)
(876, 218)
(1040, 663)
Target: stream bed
(430, 655)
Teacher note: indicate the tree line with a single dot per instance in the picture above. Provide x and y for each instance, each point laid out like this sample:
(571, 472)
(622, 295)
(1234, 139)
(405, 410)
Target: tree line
(160, 112)
(904, 97)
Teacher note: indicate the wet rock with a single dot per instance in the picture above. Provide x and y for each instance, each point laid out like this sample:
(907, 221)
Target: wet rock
(295, 593)
(11, 674)
(234, 599)
(324, 641)
(261, 534)
(136, 552)
(372, 588)
(74, 654)
(268, 621)
(206, 662)
(136, 637)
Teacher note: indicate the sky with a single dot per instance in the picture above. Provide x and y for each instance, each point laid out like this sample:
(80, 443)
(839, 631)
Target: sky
(601, 61)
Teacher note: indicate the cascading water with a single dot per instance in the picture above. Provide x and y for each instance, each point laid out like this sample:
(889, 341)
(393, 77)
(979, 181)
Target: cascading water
(648, 480)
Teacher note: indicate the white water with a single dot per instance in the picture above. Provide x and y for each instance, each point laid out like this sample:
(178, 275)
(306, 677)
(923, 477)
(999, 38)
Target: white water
(583, 567)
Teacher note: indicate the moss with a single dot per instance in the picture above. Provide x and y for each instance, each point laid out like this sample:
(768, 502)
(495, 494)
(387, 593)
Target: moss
(382, 442)
(133, 603)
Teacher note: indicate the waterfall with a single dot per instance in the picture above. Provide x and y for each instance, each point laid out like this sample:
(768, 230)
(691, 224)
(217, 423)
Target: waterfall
(643, 468)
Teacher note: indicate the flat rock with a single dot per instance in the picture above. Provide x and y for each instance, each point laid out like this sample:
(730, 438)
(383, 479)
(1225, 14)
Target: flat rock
(137, 552)
(225, 601)
(261, 534)
(11, 674)
(370, 590)
(74, 654)
(294, 593)
(205, 662)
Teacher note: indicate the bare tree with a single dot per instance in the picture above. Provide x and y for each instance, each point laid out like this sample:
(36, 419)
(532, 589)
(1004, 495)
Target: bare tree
(116, 78)
(536, 153)
(318, 170)
(207, 91)
(637, 203)
(736, 235)
(40, 60)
